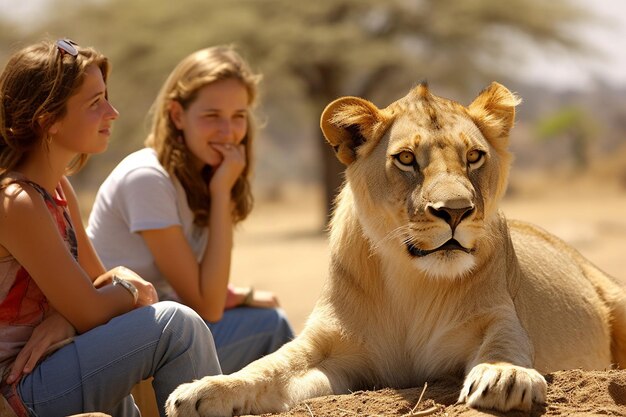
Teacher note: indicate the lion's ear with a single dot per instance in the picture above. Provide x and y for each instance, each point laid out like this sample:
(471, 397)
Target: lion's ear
(348, 123)
(493, 111)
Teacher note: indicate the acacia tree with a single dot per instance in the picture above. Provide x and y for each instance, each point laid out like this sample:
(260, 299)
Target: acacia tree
(321, 49)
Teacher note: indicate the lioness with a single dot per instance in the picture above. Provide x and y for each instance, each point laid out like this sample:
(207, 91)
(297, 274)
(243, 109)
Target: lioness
(427, 278)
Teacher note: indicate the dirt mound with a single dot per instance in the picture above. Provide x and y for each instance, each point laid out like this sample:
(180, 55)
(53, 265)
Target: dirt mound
(570, 393)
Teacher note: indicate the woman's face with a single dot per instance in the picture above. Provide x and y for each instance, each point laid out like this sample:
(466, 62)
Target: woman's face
(86, 126)
(219, 114)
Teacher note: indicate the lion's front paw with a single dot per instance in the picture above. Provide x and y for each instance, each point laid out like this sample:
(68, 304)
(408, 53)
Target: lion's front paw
(211, 396)
(503, 387)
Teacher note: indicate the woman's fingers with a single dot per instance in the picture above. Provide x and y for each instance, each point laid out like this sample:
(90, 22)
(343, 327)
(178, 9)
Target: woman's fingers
(28, 357)
(264, 299)
(35, 355)
(18, 365)
(231, 167)
(230, 149)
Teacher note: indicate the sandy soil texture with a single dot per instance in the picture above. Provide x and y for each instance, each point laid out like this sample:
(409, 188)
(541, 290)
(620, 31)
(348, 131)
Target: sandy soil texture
(570, 393)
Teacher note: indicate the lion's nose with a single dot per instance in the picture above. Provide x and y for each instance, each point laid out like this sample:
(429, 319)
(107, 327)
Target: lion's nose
(452, 216)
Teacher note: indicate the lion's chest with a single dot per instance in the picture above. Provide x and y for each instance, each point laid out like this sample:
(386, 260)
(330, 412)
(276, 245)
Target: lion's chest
(414, 339)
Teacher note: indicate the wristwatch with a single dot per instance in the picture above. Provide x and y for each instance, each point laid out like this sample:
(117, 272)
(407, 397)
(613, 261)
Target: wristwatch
(128, 286)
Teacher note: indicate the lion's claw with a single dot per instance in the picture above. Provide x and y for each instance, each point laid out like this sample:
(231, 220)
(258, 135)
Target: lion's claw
(503, 387)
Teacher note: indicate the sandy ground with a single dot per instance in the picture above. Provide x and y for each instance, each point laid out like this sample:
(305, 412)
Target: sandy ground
(571, 393)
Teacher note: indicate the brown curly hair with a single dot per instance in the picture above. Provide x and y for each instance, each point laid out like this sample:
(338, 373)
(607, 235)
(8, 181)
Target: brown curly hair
(202, 67)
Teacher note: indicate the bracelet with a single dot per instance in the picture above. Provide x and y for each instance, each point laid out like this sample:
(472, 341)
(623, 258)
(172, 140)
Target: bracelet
(247, 300)
(128, 286)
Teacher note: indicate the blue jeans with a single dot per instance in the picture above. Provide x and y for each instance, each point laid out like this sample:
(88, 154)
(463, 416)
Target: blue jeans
(244, 334)
(96, 372)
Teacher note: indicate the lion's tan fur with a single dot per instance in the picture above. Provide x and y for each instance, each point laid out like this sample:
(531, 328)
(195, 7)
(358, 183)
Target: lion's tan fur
(501, 304)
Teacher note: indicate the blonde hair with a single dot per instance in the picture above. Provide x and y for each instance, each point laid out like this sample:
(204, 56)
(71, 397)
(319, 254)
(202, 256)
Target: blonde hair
(34, 89)
(197, 70)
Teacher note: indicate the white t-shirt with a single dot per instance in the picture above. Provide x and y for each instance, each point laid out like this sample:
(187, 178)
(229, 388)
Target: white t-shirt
(139, 195)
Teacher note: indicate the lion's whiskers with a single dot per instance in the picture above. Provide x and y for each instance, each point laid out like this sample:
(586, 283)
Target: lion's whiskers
(398, 232)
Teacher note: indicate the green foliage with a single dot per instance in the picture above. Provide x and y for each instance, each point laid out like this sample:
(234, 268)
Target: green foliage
(573, 124)
(559, 122)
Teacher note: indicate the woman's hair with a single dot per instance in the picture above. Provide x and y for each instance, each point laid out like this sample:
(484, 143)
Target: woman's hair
(197, 70)
(34, 89)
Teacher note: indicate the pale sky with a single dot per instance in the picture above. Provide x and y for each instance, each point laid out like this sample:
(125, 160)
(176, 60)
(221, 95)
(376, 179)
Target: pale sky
(607, 39)
(558, 70)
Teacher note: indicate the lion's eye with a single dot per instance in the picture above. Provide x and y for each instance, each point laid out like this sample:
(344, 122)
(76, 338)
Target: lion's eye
(475, 158)
(405, 160)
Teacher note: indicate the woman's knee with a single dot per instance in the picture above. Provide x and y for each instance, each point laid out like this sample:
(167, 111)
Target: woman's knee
(188, 338)
(282, 323)
(171, 310)
(180, 319)
(276, 323)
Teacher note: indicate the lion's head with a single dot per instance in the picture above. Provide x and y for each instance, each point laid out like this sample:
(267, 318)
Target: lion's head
(426, 173)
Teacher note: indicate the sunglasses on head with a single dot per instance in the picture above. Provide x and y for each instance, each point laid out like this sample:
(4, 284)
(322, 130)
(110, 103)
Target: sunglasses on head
(67, 46)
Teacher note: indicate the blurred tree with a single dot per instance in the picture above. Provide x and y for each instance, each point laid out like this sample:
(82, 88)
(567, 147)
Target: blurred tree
(571, 123)
(314, 52)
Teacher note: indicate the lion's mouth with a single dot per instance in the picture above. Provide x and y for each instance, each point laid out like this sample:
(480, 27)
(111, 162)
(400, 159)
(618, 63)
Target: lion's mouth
(451, 244)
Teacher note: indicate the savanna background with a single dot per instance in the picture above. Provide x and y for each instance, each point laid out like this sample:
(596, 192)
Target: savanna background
(565, 58)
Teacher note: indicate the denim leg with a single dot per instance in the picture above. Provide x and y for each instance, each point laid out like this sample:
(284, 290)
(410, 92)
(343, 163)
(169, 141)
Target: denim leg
(126, 407)
(244, 334)
(96, 372)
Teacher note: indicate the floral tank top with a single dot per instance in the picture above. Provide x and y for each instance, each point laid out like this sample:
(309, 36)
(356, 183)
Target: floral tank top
(22, 304)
